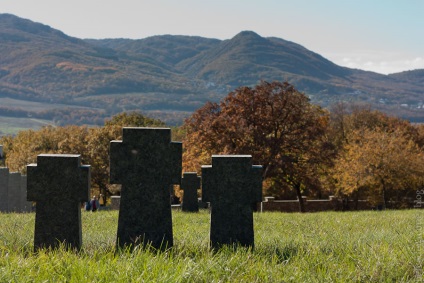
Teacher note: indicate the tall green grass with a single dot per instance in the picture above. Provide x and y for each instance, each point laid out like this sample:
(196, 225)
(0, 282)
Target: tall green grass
(321, 247)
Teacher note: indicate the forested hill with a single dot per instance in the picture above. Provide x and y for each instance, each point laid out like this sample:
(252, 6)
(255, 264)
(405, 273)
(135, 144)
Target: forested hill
(166, 74)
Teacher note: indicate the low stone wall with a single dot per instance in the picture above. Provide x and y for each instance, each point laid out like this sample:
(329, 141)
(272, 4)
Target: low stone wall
(331, 204)
(315, 205)
(115, 202)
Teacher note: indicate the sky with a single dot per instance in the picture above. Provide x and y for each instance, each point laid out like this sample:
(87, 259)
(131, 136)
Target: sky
(384, 36)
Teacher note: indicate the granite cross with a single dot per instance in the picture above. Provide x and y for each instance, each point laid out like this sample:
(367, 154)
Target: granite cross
(14, 192)
(4, 189)
(58, 183)
(190, 183)
(146, 163)
(231, 184)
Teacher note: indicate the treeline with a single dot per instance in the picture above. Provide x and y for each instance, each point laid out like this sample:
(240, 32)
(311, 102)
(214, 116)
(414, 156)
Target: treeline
(352, 152)
(92, 143)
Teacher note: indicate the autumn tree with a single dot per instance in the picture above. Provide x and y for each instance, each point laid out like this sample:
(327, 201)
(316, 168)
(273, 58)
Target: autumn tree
(26, 145)
(346, 118)
(133, 119)
(376, 163)
(273, 122)
(363, 135)
(91, 143)
(98, 142)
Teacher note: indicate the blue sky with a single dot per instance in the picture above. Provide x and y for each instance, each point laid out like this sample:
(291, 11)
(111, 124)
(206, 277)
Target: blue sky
(384, 36)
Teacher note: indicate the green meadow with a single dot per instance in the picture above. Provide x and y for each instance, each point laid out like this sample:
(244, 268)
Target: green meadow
(384, 246)
(12, 125)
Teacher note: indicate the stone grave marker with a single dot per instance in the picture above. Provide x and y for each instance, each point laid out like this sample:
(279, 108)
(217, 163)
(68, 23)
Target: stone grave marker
(4, 189)
(146, 163)
(25, 206)
(190, 183)
(231, 185)
(14, 192)
(58, 183)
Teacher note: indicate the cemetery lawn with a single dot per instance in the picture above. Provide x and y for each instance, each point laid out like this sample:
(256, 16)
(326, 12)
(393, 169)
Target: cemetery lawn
(369, 246)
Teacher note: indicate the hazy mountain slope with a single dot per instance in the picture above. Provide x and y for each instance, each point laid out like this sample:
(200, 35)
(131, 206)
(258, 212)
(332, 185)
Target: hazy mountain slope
(39, 62)
(168, 49)
(179, 73)
(415, 77)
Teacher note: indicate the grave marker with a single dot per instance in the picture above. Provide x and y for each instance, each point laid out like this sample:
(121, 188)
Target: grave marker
(190, 183)
(58, 183)
(146, 163)
(4, 188)
(14, 192)
(231, 184)
(25, 206)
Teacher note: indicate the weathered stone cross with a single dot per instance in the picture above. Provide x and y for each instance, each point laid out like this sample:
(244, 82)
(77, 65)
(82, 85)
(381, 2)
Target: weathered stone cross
(231, 184)
(58, 184)
(146, 163)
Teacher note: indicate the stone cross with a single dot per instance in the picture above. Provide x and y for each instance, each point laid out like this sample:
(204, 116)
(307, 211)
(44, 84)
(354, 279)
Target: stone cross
(14, 192)
(190, 183)
(146, 163)
(25, 206)
(231, 184)
(4, 189)
(58, 183)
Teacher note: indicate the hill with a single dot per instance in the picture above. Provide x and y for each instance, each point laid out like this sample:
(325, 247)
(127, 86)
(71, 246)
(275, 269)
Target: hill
(170, 76)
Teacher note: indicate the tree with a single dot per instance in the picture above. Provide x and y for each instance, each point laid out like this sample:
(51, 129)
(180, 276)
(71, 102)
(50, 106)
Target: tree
(347, 118)
(378, 162)
(273, 122)
(362, 134)
(91, 143)
(133, 119)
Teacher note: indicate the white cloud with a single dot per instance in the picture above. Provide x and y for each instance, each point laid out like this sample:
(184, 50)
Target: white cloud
(375, 61)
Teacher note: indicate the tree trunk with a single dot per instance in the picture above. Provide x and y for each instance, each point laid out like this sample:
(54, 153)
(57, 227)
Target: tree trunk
(356, 197)
(384, 198)
(299, 196)
(103, 192)
(383, 192)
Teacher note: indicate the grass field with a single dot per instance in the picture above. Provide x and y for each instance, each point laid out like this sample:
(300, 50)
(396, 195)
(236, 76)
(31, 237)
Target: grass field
(11, 125)
(320, 247)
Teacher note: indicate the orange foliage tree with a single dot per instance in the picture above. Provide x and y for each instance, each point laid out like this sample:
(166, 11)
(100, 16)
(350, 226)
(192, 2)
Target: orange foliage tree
(380, 157)
(378, 163)
(274, 123)
(91, 143)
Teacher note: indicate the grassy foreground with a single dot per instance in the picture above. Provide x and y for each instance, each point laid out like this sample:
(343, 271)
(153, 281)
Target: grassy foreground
(321, 247)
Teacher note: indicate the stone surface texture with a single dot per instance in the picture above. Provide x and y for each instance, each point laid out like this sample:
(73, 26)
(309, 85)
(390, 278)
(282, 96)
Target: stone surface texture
(58, 183)
(146, 163)
(190, 183)
(231, 185)
(4, 189)
(25, 206)
(14, 192)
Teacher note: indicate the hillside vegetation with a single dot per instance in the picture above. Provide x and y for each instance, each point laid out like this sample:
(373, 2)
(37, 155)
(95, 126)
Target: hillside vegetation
(171, 76)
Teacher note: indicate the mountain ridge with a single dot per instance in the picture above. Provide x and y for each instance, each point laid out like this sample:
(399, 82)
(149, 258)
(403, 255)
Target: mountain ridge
(180, 73)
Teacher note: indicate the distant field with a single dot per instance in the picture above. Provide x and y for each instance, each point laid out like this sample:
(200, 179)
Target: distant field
(11, 125)
(33, 106)
(149, 104)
